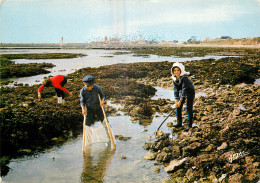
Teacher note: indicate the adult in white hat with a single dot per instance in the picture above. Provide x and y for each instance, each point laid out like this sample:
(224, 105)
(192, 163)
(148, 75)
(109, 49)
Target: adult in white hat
(183, 90)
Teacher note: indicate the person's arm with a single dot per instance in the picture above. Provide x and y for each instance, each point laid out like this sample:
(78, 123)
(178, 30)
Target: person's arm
(84, 110)
(63, 89)
(102, 96)
(176, 95)
(184, 89)
(39, 91)
(82, 103)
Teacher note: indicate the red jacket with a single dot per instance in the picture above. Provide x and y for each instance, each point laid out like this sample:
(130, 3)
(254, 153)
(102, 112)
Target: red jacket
(56, 80)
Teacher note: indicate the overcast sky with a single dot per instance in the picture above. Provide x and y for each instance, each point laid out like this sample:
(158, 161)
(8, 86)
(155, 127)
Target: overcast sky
(46, 21)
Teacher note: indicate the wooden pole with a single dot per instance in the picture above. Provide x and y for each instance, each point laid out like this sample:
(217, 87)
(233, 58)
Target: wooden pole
(108, 127)
(84, 133)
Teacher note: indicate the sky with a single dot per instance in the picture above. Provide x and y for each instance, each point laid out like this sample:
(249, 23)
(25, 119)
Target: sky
(82, 21)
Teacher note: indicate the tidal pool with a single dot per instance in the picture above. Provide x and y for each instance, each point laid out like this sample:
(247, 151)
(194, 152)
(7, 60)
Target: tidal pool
(100, 163)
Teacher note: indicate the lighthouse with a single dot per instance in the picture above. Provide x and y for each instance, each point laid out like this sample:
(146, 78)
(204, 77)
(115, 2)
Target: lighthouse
(61, 41)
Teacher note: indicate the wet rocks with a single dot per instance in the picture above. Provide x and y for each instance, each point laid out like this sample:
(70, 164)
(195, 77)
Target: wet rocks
(121, 157)
(191, 150)
(175, 164)
(224, 131)
(121, 137)
(150, 156)
(163, 157)
(223, 146)
(156, 169)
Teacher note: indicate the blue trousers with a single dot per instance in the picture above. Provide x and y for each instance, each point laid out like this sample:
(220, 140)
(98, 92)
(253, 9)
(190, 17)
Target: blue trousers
(190, 101)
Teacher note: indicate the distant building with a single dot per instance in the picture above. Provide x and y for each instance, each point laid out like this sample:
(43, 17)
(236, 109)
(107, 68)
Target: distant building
(225, 37)
(61, 41)
(115, 41)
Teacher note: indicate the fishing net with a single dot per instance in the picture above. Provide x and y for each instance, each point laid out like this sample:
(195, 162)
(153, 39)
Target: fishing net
(96, 134)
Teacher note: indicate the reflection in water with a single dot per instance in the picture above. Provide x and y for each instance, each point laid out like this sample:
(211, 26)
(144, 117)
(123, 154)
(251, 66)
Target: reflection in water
(95, 164)
(146, 121)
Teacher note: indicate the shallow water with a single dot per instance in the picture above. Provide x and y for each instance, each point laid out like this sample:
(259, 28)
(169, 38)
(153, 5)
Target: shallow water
(95, 58)
(169, 94)
(100, 163)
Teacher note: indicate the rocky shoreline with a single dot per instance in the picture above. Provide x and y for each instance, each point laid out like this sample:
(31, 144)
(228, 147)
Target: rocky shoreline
(227, 117)
(225, 146)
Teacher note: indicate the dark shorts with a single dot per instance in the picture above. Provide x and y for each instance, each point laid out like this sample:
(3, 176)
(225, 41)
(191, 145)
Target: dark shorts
(92, 114)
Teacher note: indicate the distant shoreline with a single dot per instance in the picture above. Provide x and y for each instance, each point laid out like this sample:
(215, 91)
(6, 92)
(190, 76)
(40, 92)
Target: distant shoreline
(116, 46)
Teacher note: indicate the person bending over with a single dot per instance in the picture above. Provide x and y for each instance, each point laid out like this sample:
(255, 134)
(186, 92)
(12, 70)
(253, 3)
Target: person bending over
(58, 83)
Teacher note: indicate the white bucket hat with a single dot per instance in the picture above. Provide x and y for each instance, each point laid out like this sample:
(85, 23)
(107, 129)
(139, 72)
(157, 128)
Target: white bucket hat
(181, 67)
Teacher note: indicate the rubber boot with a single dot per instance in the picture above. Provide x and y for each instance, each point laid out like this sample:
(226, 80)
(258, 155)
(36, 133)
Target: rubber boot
(179, 124)
(63, 102)
(59, 100)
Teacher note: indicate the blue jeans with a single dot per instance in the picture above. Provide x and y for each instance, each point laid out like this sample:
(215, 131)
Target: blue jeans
(190, 100)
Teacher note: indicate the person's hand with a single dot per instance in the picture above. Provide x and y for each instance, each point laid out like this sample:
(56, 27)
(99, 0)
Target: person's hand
(176, 104)
(84, 112)
(102, 103)
(70, 94)
(39, 96)
(179, 103)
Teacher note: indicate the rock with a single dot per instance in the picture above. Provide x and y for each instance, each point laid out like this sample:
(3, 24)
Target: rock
(236, 112)
(204, 159)
(25, 105)
(204, 118)
(156, 170)
(190, 175)
(224, 131)
(25, 151)
(167, 180)
(176, 151)
(147, 146)
(121, 137)
(237, 178)
(150, 156)
(170, 124)
(209, 148)
(159, 134)
(249, 115)
(241, 85)
(159, 145)
(209, 108)
(222, 178)
(121, 157)
(163, 157)
(175, 164)
(191, 149)
(223, 146)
